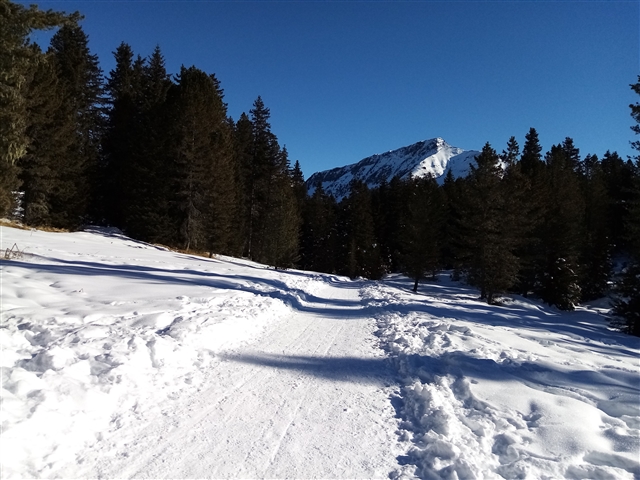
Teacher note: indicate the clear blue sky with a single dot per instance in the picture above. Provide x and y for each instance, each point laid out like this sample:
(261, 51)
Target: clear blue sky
(347, 79)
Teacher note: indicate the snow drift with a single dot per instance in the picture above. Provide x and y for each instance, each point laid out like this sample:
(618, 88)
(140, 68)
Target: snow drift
(123, 359)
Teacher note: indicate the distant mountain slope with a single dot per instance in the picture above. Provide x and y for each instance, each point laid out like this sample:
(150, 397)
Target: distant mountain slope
(429, 157)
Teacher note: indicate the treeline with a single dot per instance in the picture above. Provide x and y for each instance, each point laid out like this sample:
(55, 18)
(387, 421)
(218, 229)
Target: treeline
(152, 153)
(158, 156)
(549, 226)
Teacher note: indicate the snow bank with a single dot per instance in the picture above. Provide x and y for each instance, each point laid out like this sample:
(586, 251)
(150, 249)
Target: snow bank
(513, 391)
(96, 324)
(103, 338)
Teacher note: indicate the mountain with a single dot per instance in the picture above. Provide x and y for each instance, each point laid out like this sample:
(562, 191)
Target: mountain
(429, 157)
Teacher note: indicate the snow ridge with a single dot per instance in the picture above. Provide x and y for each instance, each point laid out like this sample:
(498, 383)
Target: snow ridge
(433, 157)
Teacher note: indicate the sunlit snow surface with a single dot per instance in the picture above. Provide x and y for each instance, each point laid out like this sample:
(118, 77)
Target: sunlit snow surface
(122, 359)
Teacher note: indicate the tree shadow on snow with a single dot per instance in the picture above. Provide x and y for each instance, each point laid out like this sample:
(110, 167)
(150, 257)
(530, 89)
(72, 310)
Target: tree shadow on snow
(374, 371)
(296, 298)
(578, 329)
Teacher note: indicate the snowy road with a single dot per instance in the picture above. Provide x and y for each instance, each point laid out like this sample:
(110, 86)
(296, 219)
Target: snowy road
(125, 360)
(308, 400)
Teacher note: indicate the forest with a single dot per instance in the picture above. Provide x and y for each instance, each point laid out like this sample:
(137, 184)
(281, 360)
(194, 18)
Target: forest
(156, 155)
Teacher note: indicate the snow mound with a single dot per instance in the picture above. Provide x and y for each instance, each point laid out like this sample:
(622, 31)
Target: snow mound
(92, 327)
(513, 391)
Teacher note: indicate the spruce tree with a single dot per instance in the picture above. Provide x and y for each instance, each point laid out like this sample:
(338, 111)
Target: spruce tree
(118, 181)
(360, 250)
(421, 233)
(388, 203)
(531, 159)
(148, 214)
(626, 305)
(562, 231)
(280, 242)
(452, 189)
(488, 238)
(618, 177)
(80, 118)
(245, 183)
(273, 216)
(47, 143)
(318, 248)
(528, 182)
(18, 60)
(595, 257)
(200, 145)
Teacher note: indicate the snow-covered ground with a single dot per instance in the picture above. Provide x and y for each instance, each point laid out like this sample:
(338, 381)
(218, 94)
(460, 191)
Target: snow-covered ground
(121, 359)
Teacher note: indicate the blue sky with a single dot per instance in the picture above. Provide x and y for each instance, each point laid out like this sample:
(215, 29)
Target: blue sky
(347, 79)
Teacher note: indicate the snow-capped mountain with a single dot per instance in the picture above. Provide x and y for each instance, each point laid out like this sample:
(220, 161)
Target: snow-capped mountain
(430, 157)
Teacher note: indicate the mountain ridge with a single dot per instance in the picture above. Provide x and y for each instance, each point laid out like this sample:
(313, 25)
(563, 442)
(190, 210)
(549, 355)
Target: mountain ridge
(428, 157)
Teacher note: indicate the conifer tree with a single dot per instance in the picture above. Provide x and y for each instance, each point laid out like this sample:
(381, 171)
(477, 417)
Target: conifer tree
(388, 203)
(318, 240)
(452, 189)
(243, 153)
(360, 252)
(280, 242)
(148, 213)
(18, 59)
(595, 257)
(273, 216)
(201, 149)
(80, 117)
(618, 177)
(421, 233)
(626, 305)
(530, 176)
(118, 179)
(561, 231)
(47, 143)
(488, 238)
(531, 159)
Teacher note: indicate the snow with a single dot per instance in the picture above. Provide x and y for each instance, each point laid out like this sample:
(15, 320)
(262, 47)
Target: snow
(123, 359)
(434, 157)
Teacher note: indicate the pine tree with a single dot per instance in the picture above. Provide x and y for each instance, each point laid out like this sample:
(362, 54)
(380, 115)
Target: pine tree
(421, 234)
(488, 238)
(148, 214)
(18, 60)
(201, 149)
(561, 231)
(530, 176)
(595, 257)
(80, 117)
(360, 251)
(118, 179)
(47, 143)
(318, 240)
(626, 306)
(273, 216)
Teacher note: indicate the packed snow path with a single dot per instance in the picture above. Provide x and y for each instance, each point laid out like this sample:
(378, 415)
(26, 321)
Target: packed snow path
(126, 360)
(306, 400)
(139, 362)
